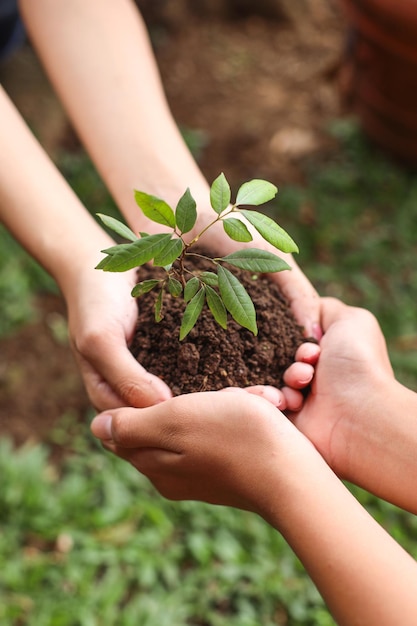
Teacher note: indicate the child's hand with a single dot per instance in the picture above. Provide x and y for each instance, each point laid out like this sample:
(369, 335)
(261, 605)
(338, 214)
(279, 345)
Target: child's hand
(222, 448)
(299, 376)
(352, 374)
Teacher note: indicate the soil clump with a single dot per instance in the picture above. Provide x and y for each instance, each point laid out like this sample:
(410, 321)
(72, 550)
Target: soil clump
(211, 358)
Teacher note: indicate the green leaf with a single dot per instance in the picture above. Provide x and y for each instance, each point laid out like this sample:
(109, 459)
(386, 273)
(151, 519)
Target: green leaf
(103, 263)
(118, 227)
(220, 194)
(237, 300)
(191, 313)
(169, 254)
(216, 306)
(155, 209)
(209, 278)
(158, 306)
(174, 287)
(186, 212)
(126, 256)
(270, 231)
(256, 192)
(191, 288)
(144, 287)
(236, 229)
(256, 260)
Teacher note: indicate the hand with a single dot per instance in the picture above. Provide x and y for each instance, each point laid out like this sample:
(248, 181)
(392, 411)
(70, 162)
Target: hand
(216, 447)
(102, 317)
(352, 375)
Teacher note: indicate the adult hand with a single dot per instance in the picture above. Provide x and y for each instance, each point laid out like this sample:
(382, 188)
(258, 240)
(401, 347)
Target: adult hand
(102, 318)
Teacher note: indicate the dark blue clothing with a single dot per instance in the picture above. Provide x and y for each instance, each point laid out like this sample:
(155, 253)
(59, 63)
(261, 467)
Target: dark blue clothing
(12, 32)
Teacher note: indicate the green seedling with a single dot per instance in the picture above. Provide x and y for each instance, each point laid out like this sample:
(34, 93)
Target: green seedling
(220, 289)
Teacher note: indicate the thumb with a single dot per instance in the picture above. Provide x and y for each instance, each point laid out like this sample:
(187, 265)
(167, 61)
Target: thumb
(332, 310)
(126, 379)
(132, 382)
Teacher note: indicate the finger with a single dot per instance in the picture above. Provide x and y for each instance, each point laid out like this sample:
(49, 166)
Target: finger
(272, 394)
(130, 382)
(294, 399)
(146, 460)
(333, 310)
(155, 426)
(308, 353)
(100, 393)
(128, 428)
(299, 375)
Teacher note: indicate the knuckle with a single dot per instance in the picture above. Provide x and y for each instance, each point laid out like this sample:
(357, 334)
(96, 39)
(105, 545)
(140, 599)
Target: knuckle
(121, 432)
(139, 392)
(87, 341)
(366, 317)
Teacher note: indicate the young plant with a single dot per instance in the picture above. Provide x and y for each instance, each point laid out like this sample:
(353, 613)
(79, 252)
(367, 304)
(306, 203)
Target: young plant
(220, 288)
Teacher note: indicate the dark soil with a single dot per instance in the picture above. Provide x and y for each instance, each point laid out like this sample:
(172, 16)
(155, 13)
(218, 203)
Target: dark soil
(211, 358)
(40, 385)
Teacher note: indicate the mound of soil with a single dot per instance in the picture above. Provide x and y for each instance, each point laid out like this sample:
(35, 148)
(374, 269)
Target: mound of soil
(211, 358)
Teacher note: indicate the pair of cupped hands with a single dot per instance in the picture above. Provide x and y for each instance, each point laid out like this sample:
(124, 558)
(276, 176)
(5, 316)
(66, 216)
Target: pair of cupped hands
(217, 446)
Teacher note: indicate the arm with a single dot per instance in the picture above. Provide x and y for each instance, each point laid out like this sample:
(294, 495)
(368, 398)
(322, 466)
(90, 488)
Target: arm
(100, 61)
(240, 451)
(362, 420)
(44, 214)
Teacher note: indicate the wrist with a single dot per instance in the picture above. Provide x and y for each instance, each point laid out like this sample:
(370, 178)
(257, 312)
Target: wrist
(380, 444)
(302, 474)
(71, 265)
(282, 479)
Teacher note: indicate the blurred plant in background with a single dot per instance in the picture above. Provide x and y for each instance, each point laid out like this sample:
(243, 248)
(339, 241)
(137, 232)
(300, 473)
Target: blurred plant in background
(355, 223)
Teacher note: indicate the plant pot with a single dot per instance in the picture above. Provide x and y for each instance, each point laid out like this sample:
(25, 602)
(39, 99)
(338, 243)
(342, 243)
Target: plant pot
(211, 358)
(381, 67)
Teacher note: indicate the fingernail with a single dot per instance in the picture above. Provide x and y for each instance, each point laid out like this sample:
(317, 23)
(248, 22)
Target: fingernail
(310, 352)
(101, 426)
(273, 395)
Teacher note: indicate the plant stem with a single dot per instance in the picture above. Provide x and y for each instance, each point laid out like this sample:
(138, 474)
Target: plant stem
(218, 219)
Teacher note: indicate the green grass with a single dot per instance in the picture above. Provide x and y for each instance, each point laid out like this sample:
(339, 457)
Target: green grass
(20, 279)
(90, 543)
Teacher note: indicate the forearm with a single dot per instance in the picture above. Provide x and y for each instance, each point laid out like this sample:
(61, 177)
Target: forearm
(363, 575)
(39, 208)
(382, 445)
(99, 59)
(98, 56)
